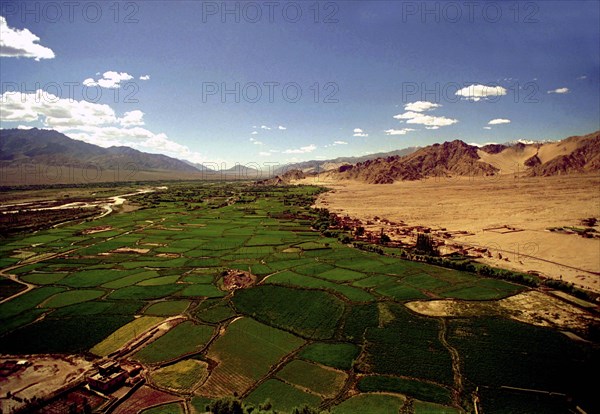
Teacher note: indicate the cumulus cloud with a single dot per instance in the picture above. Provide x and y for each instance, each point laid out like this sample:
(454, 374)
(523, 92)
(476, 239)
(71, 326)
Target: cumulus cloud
(420, 106)
(340, 143)
(499, 121)
(264, 154)
(359, 133)
(402, 131)
(559, 90)
(109, 80)
(255, 141)
(145, 77)
(430, 122)
(478, 92)
(254, 133)
(90, 122)
(281, 128)
(21, 43)
(487, 127)
(132, 118)
(301, 150)
(265, 127)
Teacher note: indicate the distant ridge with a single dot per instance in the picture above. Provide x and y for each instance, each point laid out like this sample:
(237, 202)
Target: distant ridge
(578, 154)
(318, 166)
(48, 147)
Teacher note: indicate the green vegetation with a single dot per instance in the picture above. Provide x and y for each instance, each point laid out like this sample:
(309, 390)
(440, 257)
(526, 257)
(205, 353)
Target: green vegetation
(171, 408)
(394, 348)
(370, 403)
(282, 396)
(246, 351)
(299, 311)
(182, 376)
(168, 308)
(27, 301)
(336, 355)
(185, 338)
(514, 346)
(321, 381)
(125, 334)
(71, 297)
(64, 335)
(417, 389)
(347, 302)
(43, 278)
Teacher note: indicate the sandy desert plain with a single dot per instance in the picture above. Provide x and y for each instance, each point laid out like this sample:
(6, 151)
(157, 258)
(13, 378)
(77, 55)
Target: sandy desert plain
(532, 205)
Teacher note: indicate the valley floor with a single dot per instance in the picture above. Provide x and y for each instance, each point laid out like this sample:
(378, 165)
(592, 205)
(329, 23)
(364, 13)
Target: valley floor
(529, 204)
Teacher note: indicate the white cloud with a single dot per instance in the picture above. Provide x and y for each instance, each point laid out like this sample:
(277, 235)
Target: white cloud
(487, 127)
(432, 122)
(264, 154)
(582, 77)
(109, 80)
(301, 150)
(478, 92)
(145, 77)
(402, 131)
(21, 43)
(359, 133)
(254, 133)
(340, 143)
(559, 90)
(421, 106)
(90, 122)
(477, 144)
(281, 128)
(265, 127)
(24, 127)
(132, 118)
(499, 121)
(256, 142)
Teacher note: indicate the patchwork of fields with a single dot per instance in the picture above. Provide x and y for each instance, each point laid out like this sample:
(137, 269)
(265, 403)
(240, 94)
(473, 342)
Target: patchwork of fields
(324, 325)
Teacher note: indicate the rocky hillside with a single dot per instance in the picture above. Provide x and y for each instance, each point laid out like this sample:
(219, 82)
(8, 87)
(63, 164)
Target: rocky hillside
(47, 147)
(584, 158)
(447, 159)
(578, 154)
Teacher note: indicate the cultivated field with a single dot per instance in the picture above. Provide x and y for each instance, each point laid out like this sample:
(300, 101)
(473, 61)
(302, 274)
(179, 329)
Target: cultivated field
(472, 204)
(233, 289)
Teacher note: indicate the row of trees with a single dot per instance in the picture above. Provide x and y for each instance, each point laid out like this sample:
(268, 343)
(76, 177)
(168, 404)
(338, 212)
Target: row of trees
(235, 406)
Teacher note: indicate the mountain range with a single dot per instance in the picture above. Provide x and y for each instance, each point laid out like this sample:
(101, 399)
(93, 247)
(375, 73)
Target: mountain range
(577, 154)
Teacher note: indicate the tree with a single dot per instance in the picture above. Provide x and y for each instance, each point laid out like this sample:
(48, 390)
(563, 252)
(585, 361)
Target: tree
(425, 245)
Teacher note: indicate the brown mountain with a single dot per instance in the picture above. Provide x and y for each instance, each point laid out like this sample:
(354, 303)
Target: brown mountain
(577, 154)
(447, 159)
(585, 157)
(48, 147)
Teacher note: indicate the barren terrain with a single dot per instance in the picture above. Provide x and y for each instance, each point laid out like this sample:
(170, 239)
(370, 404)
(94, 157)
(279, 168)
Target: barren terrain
(472, 204)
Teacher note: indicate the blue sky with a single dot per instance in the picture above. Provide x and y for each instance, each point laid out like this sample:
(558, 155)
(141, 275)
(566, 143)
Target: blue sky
(278, 82)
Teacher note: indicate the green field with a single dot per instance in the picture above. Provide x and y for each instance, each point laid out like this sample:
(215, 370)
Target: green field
(370, 403)
(282, 396)
(320, 311)
(246, 351)
(297, 310)
(185, 338)
(417, 389)
(72, 297)
(182, 376)
(125, 334)
(168, 308)
(318, 380)
(336, 355)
